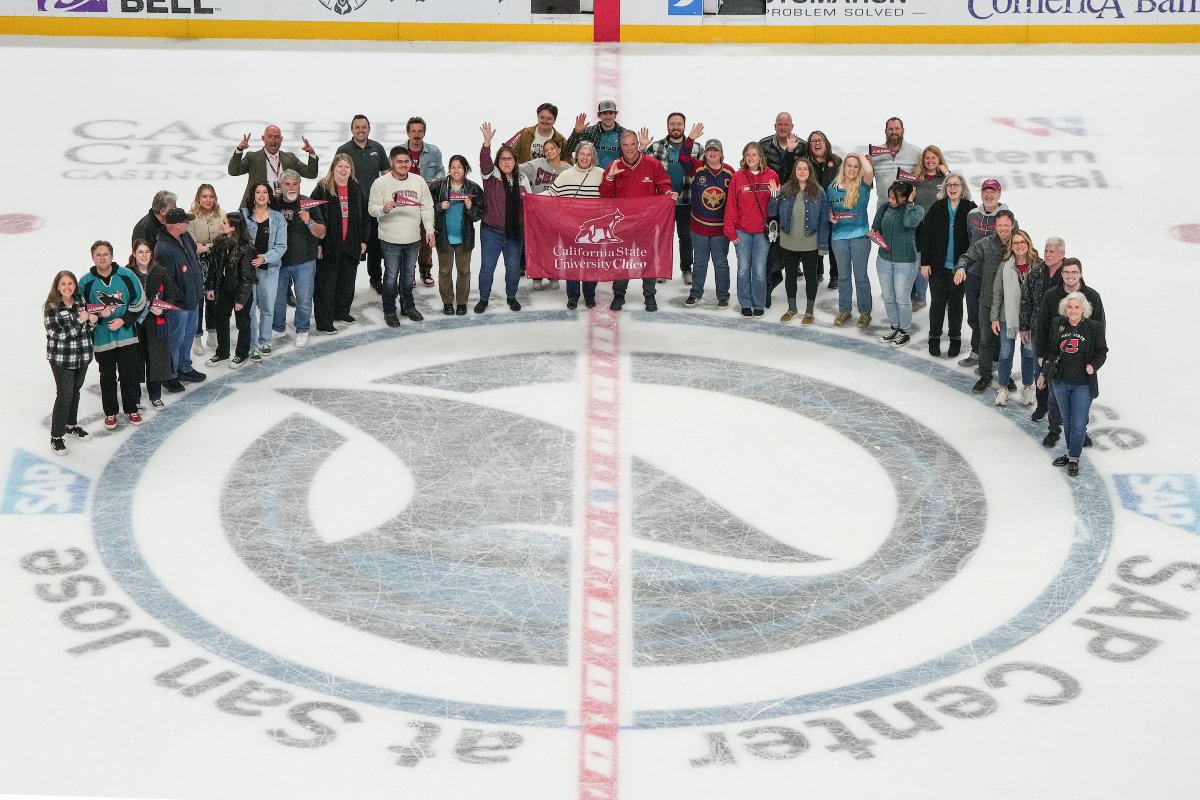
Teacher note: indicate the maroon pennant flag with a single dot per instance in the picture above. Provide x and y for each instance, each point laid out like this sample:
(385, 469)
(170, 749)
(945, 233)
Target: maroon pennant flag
(879, 150)
(905, 175)
(878, 239)
(158, 304)
(306, 204)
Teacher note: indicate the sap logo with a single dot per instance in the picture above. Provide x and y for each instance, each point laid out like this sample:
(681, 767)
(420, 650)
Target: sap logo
(35, 486)
(685, 7)
(164, 7)
(1171, 499)
(73, 5)
(1044, 126)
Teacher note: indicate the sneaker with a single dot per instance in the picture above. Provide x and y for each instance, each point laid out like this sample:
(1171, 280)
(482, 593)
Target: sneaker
(981, 384)
(78, 433)
(808, 319)
(723, 304)
(212, 362)
(460, 310)
(1002, 396)
(1039, 414)
(901, 339)
(111, 422)
(191, 376)
(687, 277)
(327, 331)
(747, 312)
(841, 319)
(758, 312)
(1061, 461)
(833, 283)
(414, 315)
(689, 301)
(651, 304)
(1012, 385)
(890, 336)
(864, 320)
(276, 335)
(1050, 439)
(553, 284)
(1073, 468)
(1087, 440)
(572, 304)
(134, 418)
(537, 285)
(256, 356)
(349, 319)
(159, 405)
(427, 279)
(513, 305)
(788, 315)
(265, 349)
(198, 346)
(377, 286)
(481, 306)
(174, 387)
(302, 339)
(970, 360)
(448, 309)
(917, 305)
(237, 362)
(1028, 396)
(618, 302)
(392, 320)
(58, 445)
(589, 302)
(211, 340)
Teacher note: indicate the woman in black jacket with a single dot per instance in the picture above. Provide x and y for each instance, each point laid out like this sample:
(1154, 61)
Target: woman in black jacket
(231, 279)
(457, 205)
(942, 237)
(346, 232)
(154, 336)
(1071, 355)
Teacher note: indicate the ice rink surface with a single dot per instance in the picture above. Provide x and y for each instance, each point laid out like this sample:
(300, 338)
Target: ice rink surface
(357, 570)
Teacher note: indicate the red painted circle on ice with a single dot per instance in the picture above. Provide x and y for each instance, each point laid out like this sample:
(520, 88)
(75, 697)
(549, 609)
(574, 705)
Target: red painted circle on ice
(20, 223)
(1189, 233)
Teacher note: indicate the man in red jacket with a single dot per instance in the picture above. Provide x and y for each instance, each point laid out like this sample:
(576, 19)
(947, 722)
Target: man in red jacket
(635, 175)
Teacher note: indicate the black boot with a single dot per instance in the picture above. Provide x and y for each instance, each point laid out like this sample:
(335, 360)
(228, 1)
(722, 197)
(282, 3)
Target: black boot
(955, 347)
(935, 346)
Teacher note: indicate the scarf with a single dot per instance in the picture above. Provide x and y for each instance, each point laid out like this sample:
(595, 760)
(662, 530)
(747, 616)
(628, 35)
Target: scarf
(512, 205)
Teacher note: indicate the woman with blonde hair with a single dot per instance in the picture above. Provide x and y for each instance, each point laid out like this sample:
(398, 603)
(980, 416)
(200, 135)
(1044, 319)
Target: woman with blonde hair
(1020, 258)
(204, 229)
(849, 196)
(746, 213)
(347, 230)
(931, 170)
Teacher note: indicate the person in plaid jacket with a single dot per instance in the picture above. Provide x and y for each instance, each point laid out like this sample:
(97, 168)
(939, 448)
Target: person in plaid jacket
(69, 328)
(667, 151)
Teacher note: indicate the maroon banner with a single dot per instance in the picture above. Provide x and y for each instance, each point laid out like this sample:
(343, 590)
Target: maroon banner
(590, 239)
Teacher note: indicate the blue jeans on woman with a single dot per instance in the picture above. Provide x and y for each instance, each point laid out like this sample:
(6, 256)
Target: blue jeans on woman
(1008, 348)
(852, 255)
(495, 243)
(895, 282)
(704, 248)
(1074, 401)
(262, 316)
(751, 250)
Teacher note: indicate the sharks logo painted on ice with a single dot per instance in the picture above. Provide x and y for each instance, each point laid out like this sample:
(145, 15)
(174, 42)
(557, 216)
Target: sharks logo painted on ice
(343, 6)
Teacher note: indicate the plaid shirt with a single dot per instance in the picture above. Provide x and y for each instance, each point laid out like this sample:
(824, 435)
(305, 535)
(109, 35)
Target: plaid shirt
(661, 150)
(68, 341)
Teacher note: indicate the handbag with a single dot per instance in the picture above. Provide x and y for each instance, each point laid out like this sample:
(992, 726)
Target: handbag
(1050, 368)
(770, 226)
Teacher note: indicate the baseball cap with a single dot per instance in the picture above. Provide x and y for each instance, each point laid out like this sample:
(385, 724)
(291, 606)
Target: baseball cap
(713, 144)
(177, 215)
(990, 183)
(607, 105)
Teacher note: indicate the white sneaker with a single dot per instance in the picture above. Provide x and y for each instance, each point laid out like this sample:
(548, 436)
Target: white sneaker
(198, 346)
(275, 335)
(211, 340)
(553, 284)
(1028, 396)
(537, 284)
(301, 339)
(1002, 396)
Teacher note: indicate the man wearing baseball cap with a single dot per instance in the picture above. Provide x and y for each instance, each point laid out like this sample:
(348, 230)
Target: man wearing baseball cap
(981, 222)
(708, 181)
(605, 134)
(184, 289)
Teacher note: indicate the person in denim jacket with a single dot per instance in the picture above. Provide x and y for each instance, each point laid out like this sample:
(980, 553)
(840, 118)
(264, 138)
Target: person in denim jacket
(803, 236)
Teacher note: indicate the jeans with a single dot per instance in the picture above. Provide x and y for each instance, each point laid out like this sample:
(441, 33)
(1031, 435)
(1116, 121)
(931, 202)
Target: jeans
(589, 290)
(399, 263)
(920, 287)
(495, 243)
(182, 325)
(262, 316)
(895, 282)
(751, 250)
(125, 364)
(303, 277)
(946, 300)
(683, 231)
(716, 247)
(1008, 348)
(1074, 401)
(852, 255)
(67, 383)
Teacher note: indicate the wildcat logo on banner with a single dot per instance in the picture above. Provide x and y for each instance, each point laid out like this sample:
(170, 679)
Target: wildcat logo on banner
(587, 239)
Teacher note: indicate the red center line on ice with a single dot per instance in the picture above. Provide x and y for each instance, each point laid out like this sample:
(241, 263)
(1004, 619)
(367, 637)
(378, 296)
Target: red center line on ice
(599, 722)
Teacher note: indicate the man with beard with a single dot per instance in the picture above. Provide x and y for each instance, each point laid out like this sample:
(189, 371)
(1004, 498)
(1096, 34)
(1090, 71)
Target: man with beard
(1071, 273)
(370, 161)
(305, 230)
(605, 134)
(981, 222)
(895, 155)
(268, 164)
(667, 151)
(781, 151)
(426, 162)
(986, 255)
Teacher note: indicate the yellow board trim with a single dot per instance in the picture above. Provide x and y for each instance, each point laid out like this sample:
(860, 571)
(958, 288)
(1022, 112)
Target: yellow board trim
(715, 33)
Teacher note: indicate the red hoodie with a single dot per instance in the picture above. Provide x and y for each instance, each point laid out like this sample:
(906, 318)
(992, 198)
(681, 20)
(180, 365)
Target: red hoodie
(645, 178)
(749, 194)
